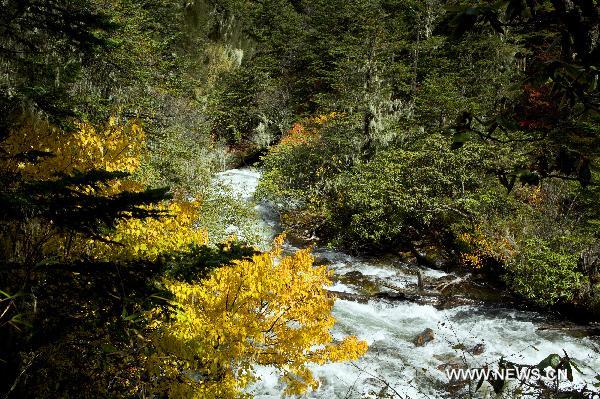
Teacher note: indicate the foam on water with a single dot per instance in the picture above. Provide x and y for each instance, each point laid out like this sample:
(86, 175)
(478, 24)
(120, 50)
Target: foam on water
(340, 287)
(414, 371)
(241, 182)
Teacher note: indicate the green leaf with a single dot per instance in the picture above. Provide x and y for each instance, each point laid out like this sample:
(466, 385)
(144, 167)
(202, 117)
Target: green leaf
(576, 367)
(552, 360)
(5, 294)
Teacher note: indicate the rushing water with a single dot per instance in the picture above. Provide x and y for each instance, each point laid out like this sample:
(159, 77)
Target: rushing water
(391, 327)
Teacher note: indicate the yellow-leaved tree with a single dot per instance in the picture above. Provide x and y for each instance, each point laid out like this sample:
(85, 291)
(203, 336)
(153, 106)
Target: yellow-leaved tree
(112, 147)
(269, 310)
(147, 239)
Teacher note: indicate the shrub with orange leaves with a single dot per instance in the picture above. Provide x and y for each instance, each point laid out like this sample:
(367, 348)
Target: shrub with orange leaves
(482, 247)
(306, 131)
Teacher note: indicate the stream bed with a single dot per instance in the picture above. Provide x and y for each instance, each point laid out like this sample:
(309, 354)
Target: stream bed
(473, 333)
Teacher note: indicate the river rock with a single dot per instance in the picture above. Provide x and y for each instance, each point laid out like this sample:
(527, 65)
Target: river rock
(452, 365)
(349, 296)
(354, 274)
(407, 257)
(322, 262)
(391, 296)
(356, 279)
(477, 349)
(469, 287)
(426, 336)
(447, 358)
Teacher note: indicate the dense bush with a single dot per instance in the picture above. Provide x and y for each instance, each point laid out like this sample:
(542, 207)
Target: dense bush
(458, 135)
(386, 201)
(545, 274)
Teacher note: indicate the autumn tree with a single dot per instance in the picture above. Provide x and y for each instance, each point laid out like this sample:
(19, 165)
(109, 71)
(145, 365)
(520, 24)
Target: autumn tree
(268, 310)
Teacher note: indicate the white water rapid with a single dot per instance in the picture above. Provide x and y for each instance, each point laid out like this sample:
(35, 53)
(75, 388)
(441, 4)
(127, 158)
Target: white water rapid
(390, 327)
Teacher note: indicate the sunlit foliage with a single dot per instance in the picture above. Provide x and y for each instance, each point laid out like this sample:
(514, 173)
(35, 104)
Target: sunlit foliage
(267, 310)
(113, 147)
(44, 153)
(270, 310)
(304, 132)
(147, 239)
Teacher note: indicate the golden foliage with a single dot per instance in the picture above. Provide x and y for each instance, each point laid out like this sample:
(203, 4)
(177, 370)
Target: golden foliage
(270, 310)
(483, 247)
(147, 239)
(115, 147)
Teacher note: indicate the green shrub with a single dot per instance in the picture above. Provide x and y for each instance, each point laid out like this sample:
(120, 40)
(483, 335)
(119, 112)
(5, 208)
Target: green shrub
(183, 160)
(545, 273)
(386, 199)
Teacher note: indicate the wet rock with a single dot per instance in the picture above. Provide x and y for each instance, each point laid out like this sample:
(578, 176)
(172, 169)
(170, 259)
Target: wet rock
(430, 256)
(477, 349)
(452, 302)
(452, 365)
(447, 358)
(572, 329)
(407, 257)
(348, 296)
(356, 279)
(354, 274)
(455, 385)
(391, 296)
(450, 361)
(467, 287)
(361, 298)
(322, 262)
(426, 336)
(420, 283)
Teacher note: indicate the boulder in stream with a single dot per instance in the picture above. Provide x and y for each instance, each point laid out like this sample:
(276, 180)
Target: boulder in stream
(365, 284)
(391, 296)
(477, 349)
(426, 336)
